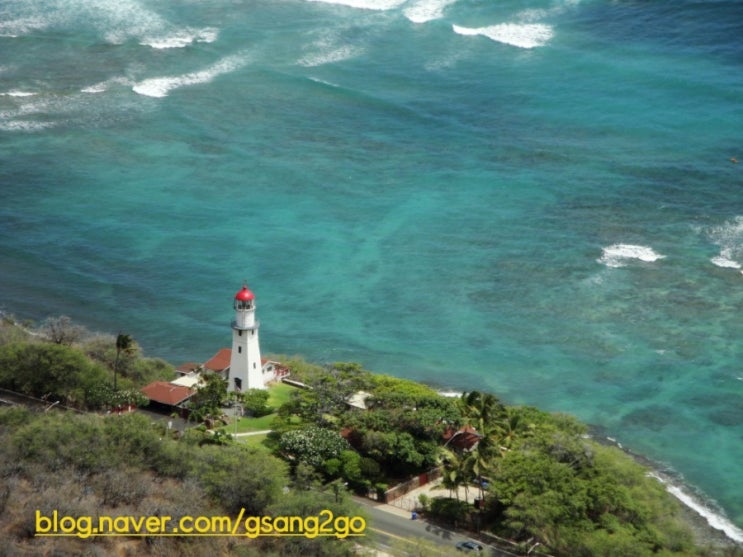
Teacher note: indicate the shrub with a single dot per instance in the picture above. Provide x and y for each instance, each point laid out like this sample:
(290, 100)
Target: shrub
(55, 371)
(449, 510)
(313, 445)
(240, 478)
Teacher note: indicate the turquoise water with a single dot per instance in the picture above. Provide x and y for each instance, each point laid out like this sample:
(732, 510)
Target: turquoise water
(535, 198)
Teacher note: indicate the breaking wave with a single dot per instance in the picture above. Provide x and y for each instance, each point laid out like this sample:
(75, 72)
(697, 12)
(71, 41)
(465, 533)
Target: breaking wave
(729, 237)
(365, 4)
(526, 35)
(427, 10)
(617, 255)
(161, 86)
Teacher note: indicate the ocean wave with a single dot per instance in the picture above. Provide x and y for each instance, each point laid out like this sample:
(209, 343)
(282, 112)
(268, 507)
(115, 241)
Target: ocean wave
(182, 38)
(451, 394)
(115, 22)
(122, 20)
(729, 237)
(365, 4)
(526, 35)
(723, 260)
(161, 86)
(23, 125)
(617, 255)
(714, 518)
(334, 55)
(103, 86)
(427, 10)
(16, 93)
(327, 49)
(21, 26)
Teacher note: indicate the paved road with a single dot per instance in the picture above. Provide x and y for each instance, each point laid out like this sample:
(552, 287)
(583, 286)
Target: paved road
(390, 527)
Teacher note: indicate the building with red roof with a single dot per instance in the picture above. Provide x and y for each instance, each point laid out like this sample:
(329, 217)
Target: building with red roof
(241, 366)
(167, 396)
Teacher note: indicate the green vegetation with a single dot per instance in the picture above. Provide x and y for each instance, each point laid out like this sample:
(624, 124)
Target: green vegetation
(246, 425)
(539, 478)
(54, 371)
(87, 465)
(64, 363)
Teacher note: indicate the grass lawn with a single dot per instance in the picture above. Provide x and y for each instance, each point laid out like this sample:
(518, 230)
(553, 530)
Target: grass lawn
(254, 441)
(252, 424)
(279, 393)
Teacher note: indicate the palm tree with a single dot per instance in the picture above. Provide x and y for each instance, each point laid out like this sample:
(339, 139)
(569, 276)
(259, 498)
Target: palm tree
(455, 471)
(125, 344)
(510, 429)
(496, 427)
(481, 410)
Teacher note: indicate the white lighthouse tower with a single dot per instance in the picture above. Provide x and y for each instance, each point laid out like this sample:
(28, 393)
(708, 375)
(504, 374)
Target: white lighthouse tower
(245, 361)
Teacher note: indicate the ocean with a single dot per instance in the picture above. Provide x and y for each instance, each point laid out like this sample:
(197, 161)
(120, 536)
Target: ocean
(541, 198)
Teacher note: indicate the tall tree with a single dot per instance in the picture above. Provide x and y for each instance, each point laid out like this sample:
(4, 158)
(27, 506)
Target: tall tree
(456, 471)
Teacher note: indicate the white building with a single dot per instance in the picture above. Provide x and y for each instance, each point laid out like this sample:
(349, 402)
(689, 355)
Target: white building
(246, 368)
(241, 366)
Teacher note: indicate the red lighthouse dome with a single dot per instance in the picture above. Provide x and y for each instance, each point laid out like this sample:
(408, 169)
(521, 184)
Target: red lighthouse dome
(244, 295)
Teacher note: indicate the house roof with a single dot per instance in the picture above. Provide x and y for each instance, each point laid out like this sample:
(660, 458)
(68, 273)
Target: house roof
(188, 367)
(220, 361)
(465, 438)
(167, 393)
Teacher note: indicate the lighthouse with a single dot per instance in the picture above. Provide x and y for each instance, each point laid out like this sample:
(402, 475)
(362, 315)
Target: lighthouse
(245, 361)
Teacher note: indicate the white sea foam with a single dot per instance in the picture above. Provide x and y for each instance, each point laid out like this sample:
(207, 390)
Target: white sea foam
(365, 4)
(617, 255)
(22, 26)
(451, 394)
(329, 56)
(161, 86)
(182, 38)
(427, 10)
(103, 86)
(323, 82)
(713, 518)
(116, 22)
(723, 260)
(533, 14)
(330, 46)
(98, 88)
(729, 236)
(526, 35)
(16, 93)
(23, 125)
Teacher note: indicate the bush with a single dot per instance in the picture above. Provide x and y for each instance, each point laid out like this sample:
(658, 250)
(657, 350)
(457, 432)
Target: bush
(449, 510)
(238, 478)
(255, 402)
(54, 371)
(313, 445)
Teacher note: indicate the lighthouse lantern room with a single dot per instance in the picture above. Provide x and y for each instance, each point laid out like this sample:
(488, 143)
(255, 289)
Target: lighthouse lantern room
(245, 360)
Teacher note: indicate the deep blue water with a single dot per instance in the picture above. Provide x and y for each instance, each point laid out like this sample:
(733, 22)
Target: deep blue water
(536, 198)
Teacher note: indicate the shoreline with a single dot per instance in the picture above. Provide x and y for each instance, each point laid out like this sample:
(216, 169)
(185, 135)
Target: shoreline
(709, 526)
(707, 521)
